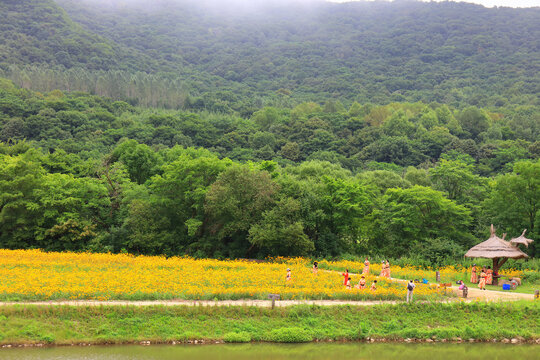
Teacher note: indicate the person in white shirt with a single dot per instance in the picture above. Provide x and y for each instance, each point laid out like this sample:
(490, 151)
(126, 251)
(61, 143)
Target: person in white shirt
(410, 289)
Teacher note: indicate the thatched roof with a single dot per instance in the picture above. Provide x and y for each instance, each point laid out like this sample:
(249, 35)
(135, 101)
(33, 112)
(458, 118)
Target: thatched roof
(495, 247)
(521, 240)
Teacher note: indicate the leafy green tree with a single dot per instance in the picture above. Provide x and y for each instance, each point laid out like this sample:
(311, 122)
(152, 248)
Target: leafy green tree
(20, 210)
(266, 117)
(383, 180)
(514, 202)
(457, 179)
(50, 211)
(281, 231)
(175, 203)
(417, 176)
(72, 208)
(474, 121)
(235, 201)
(291, 151)
(140, 160)
(398, 125)
(412, 217)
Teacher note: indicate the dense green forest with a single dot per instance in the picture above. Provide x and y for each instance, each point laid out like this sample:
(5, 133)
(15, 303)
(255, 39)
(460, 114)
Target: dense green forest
(203, 55)
(290, 128)
(82, 172)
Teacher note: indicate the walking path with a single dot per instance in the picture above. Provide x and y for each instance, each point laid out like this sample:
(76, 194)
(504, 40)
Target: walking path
(488, 295)
(474, 295)
(247, 302)
(492, 295)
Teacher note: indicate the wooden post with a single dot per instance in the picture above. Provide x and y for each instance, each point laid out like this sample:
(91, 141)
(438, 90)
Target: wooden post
(273, 297)
(496, 266)
(438, 276)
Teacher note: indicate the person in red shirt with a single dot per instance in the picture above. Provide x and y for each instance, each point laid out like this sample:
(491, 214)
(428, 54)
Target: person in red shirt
(346, 276)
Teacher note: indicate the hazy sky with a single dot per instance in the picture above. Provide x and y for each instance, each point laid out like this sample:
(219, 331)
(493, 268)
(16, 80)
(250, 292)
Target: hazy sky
(487, 3)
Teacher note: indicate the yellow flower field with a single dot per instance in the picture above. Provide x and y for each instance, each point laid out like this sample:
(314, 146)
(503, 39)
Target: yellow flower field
(33, 275)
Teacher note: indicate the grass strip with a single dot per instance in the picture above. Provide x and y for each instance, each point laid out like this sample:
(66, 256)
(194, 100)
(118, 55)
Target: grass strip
(25, 324)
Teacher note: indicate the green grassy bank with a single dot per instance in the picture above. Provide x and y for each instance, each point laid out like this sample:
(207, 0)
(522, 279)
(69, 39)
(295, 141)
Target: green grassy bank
(21, 324)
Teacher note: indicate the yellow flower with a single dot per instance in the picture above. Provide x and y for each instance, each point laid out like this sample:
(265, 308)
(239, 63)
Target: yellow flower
(33, 274)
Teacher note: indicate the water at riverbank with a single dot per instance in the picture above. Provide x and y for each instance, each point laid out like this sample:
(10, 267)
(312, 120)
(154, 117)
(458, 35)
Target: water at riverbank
(342, 351)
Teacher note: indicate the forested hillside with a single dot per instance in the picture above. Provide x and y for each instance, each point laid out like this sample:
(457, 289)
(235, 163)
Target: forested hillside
(290, 128)
(233, 59)
(102, 175)
(41, 33)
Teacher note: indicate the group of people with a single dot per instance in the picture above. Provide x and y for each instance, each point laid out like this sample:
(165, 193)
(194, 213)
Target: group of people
(385, 272)
(485, 276)
(385, 268)
(361, 283)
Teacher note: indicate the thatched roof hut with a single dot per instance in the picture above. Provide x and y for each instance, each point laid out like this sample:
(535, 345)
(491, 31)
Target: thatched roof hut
(521, 240)
(497, 249)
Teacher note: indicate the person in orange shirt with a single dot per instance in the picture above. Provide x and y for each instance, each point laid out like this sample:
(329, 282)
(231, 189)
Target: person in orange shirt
(366, 267)
(489, 276)
(387, 269)
(315, 269)
(482, 283)
(362, 283)
(474, 278)
(374, 285)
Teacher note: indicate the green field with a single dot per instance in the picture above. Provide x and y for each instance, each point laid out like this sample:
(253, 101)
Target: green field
(159, 324)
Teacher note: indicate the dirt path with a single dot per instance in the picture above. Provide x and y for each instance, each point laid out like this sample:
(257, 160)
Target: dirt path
(474, 295)
(488, 295)
(258, 303)
(491, 295)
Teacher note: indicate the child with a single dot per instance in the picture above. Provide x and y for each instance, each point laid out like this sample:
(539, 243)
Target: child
(482, 283)
(348, 285)
(346, 276)
(315, 269)
(374, 285)
(362, 283)
(289, 276)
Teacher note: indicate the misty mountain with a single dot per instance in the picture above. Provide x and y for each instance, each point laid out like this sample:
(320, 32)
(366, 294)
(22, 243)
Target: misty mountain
(284, 51)
(40, 32)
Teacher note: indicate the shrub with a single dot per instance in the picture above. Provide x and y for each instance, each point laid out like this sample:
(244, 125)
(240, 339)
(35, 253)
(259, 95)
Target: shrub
(290, 335)
(531, 276)
(237, 337)
(48, 338)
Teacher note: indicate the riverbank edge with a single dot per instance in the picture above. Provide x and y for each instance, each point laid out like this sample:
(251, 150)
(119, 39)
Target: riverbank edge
(31, 326)
(203, 342)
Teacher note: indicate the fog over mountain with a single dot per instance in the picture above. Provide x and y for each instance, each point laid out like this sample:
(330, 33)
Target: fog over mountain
(268, 52)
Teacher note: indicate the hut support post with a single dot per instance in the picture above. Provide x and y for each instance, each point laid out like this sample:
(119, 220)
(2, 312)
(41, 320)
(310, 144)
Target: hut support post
(496, 266)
